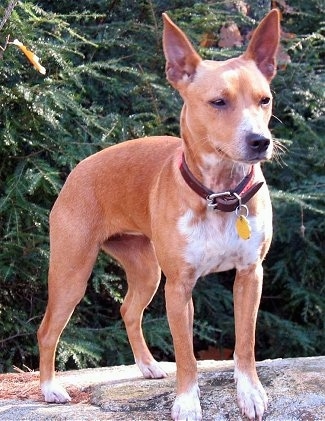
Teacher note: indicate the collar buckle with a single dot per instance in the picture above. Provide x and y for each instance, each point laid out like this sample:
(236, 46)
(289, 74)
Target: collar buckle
(211, 197)
(227, 201)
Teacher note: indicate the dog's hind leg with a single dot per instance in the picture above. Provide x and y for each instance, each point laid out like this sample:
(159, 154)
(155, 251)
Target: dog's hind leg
(137, 256)
(73, 253)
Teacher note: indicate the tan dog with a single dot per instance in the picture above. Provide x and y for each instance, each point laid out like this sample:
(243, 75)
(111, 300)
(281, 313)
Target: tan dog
(177, 204)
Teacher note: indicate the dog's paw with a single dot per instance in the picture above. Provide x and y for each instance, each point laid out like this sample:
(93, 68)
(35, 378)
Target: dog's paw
(151, 370)
(187, 406)
(251, 397)
(53, 392)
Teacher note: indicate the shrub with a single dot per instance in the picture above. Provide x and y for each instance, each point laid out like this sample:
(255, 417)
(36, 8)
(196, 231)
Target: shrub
(105, 83)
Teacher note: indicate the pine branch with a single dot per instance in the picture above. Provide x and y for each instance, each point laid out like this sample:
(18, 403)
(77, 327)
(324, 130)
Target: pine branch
(12, 4)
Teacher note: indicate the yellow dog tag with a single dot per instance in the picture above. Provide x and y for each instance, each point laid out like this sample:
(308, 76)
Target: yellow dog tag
(243, 228)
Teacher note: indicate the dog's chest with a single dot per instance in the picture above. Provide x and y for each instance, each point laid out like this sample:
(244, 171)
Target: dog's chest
(213, 245)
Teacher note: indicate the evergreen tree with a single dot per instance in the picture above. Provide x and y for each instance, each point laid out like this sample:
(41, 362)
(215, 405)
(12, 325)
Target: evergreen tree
(105, 83)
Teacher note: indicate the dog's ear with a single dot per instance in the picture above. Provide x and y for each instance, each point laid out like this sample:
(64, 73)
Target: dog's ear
(264, 44)
(181, 58)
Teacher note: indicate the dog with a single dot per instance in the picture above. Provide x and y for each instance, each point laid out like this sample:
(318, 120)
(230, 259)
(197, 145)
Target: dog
(187, 206)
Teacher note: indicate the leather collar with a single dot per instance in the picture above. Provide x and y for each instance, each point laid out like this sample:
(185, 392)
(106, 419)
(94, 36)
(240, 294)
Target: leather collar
(227, 201)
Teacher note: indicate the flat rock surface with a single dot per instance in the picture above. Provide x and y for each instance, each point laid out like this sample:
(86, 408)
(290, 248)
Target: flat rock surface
(295, 387)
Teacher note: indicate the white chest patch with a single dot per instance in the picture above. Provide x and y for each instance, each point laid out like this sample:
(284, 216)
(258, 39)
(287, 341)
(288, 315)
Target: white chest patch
(213, 244)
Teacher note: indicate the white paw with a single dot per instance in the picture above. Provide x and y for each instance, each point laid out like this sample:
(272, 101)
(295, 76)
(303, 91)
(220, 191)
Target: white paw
(53, 392)
(152, 370)
(252, 399)
(187, 406)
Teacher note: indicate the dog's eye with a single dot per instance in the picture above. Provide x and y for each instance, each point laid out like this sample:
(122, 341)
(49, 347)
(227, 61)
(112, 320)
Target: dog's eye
(265, 101)
(218, 103)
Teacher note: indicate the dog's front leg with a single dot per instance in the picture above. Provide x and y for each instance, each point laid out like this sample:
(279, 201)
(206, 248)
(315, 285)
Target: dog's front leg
(251, 396)
(180, 317)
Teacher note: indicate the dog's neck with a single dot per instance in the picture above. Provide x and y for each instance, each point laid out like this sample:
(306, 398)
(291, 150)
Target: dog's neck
(209, 166)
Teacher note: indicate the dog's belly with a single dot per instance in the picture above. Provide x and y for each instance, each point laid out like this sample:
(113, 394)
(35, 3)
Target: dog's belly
(213, 244)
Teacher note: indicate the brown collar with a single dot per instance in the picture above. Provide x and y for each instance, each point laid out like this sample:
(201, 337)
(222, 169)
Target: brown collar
(227, 201)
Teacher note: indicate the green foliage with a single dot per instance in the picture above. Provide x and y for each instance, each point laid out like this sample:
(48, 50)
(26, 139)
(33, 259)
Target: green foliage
(295, 265)
(105, 83)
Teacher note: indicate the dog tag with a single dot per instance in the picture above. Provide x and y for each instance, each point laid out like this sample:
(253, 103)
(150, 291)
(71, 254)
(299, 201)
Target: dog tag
(243, 228)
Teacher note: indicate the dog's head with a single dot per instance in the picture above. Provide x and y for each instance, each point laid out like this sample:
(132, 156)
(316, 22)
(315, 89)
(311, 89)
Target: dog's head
(228, 104)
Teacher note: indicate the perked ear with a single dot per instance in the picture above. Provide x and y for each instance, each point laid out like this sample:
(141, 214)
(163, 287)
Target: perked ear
(181, 58)
(264, 44)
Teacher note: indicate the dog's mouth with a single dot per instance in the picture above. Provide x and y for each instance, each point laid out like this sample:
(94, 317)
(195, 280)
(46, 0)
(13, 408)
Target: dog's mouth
(250, 158)
(256, 160)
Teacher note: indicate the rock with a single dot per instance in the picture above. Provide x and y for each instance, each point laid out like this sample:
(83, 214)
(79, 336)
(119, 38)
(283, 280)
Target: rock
(295, 388)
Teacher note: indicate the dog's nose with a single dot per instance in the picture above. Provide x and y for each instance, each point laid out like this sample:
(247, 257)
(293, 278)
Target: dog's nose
(257, 143)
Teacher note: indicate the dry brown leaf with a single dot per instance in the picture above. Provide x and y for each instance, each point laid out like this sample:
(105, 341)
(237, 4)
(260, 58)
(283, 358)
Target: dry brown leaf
(208, 40)
(283, 58)
(213, 353)
(230, 36)
(285, 7)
